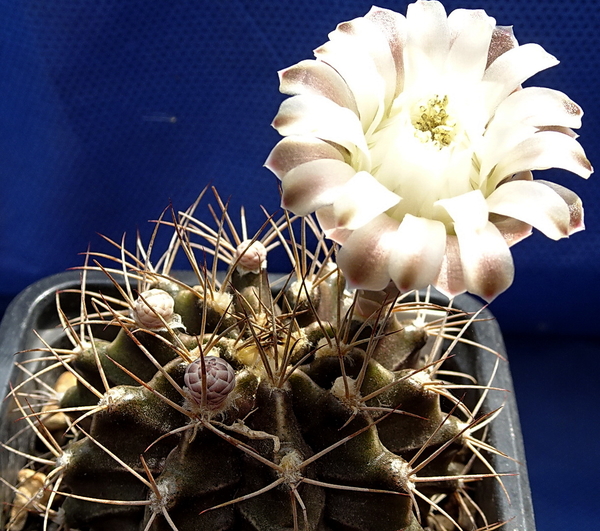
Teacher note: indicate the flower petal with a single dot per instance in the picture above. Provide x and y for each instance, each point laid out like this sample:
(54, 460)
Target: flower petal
(470, 35)
(500, 138)
(512, 230)
(295, 150)
(573, 203)
(540, 107)
(427, 43)
(513, 67)
(319, 79)
(367, 36)
(393, 27)
(369, 303)
(326, 220)
(364, 257)
(559, 129)
(314, 184)
(486, 260)
(543, 150)
(503, 40)
(359, 52)
(322, 118)
(467, 209)
(451, 280)
(534, 203)
(522, 176)
(416, 259)
(360, 200)
(523, 114)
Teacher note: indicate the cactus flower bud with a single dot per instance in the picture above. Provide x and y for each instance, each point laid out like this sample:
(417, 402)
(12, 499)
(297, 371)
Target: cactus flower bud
(150, 305)
(251, 256)
(220, 380)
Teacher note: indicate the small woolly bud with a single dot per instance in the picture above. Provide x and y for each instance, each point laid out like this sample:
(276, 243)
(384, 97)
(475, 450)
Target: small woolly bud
(150, 305)
(345, 388)
(220, 380)
(251, 257)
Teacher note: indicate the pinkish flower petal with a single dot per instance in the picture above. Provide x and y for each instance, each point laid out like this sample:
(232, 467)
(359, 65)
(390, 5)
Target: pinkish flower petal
(512, 230)
(543, 150)
(486, 260)
(360, 200)
(359, 52)
(393, 26)
(295, 150)
(416, 259)
(326, 219)
(364, 256)
(451, 280)
(369, 303)
(503, 40)
(365, 36)
(318, 79)
(322, 118)
(573, 203)
(533, 203)
(559, 129)
(513, 67)
(314, 184)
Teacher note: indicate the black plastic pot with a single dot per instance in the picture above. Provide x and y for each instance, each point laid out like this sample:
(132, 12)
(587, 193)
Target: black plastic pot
(34, 309)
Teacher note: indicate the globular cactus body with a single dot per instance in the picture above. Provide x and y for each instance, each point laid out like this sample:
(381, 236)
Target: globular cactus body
(230, 407)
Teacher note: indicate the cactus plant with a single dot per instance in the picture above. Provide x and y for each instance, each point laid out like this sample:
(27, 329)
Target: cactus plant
(240, 402)
(330, 398)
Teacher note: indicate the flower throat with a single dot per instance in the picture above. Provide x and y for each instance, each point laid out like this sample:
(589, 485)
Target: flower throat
(433, 124)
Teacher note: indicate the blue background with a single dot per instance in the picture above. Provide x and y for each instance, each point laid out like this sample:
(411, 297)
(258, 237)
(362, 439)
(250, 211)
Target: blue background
(112, 109)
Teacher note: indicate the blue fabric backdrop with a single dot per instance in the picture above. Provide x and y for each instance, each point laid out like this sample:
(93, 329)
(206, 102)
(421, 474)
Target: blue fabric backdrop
(111, 109)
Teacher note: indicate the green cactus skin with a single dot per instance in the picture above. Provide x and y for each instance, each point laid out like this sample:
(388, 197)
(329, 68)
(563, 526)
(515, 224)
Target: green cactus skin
(328, 419)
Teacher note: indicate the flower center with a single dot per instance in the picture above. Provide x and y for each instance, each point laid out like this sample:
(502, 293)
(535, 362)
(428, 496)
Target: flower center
(433, 124)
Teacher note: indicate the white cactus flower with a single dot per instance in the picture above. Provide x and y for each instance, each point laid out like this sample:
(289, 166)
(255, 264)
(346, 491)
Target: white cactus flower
(413, 140)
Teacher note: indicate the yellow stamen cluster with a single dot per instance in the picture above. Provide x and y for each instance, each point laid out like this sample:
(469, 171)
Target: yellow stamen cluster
(433, 124)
